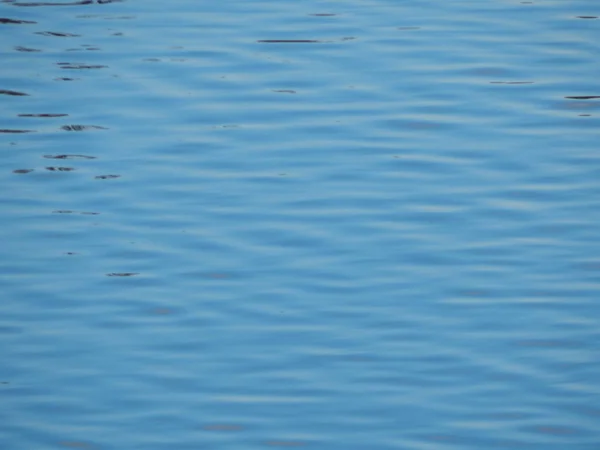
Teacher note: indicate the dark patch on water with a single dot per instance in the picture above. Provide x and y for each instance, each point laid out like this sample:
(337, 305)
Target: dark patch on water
(78, 66)
(162, 311)
(285, 91)
(287, 41)
(5, 20)
(26, 49)
(69, 157)
(60, 169)
(583, 97)
(554, 430)
(74, 444)
(219, 276)
(222, 427)
(68, 211)
(285, 443)
(546, 343)
(106, 177)
(323, 15)
(85, 47)
(43, 115)
(512, 82)
(226, 126)
(82, 127)
(56, 33)
(122, 274)
(580, 105)
(23, 170)
(81, 2)
(65, 79)
(16, 131)
(587, 17)
(9, 92)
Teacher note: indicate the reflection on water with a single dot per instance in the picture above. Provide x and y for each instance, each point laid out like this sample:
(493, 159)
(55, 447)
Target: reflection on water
(346, 225)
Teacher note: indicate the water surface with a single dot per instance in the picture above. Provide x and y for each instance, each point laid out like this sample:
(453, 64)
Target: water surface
(343, 225)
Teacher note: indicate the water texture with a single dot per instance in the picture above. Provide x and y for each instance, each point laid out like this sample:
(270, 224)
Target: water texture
(347, 224)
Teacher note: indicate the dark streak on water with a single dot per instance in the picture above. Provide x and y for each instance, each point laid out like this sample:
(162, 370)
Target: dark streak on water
(287, 41)
(15, 93)
(511, 82)
(4, 20)
(42, 115)
(57, 34)
(26, 49)
(77, 66)
(75, 3)
(60, 169)
(67, 211)
(82, 2)
(8, 131)
(82, 127)
(584, 97)
(69, 157)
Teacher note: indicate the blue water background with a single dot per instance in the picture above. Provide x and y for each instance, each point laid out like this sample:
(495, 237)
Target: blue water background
(385, 238)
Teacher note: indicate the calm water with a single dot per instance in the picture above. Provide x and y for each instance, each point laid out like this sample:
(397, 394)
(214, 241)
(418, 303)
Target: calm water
(348, 225)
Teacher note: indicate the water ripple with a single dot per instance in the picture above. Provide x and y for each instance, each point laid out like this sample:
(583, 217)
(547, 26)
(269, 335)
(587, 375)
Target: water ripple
(299, 224)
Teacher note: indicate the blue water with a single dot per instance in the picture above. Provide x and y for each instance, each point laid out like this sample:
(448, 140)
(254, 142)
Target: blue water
(348, 225)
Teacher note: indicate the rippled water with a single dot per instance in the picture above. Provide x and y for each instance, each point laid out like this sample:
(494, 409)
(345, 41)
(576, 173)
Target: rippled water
(342, 225)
